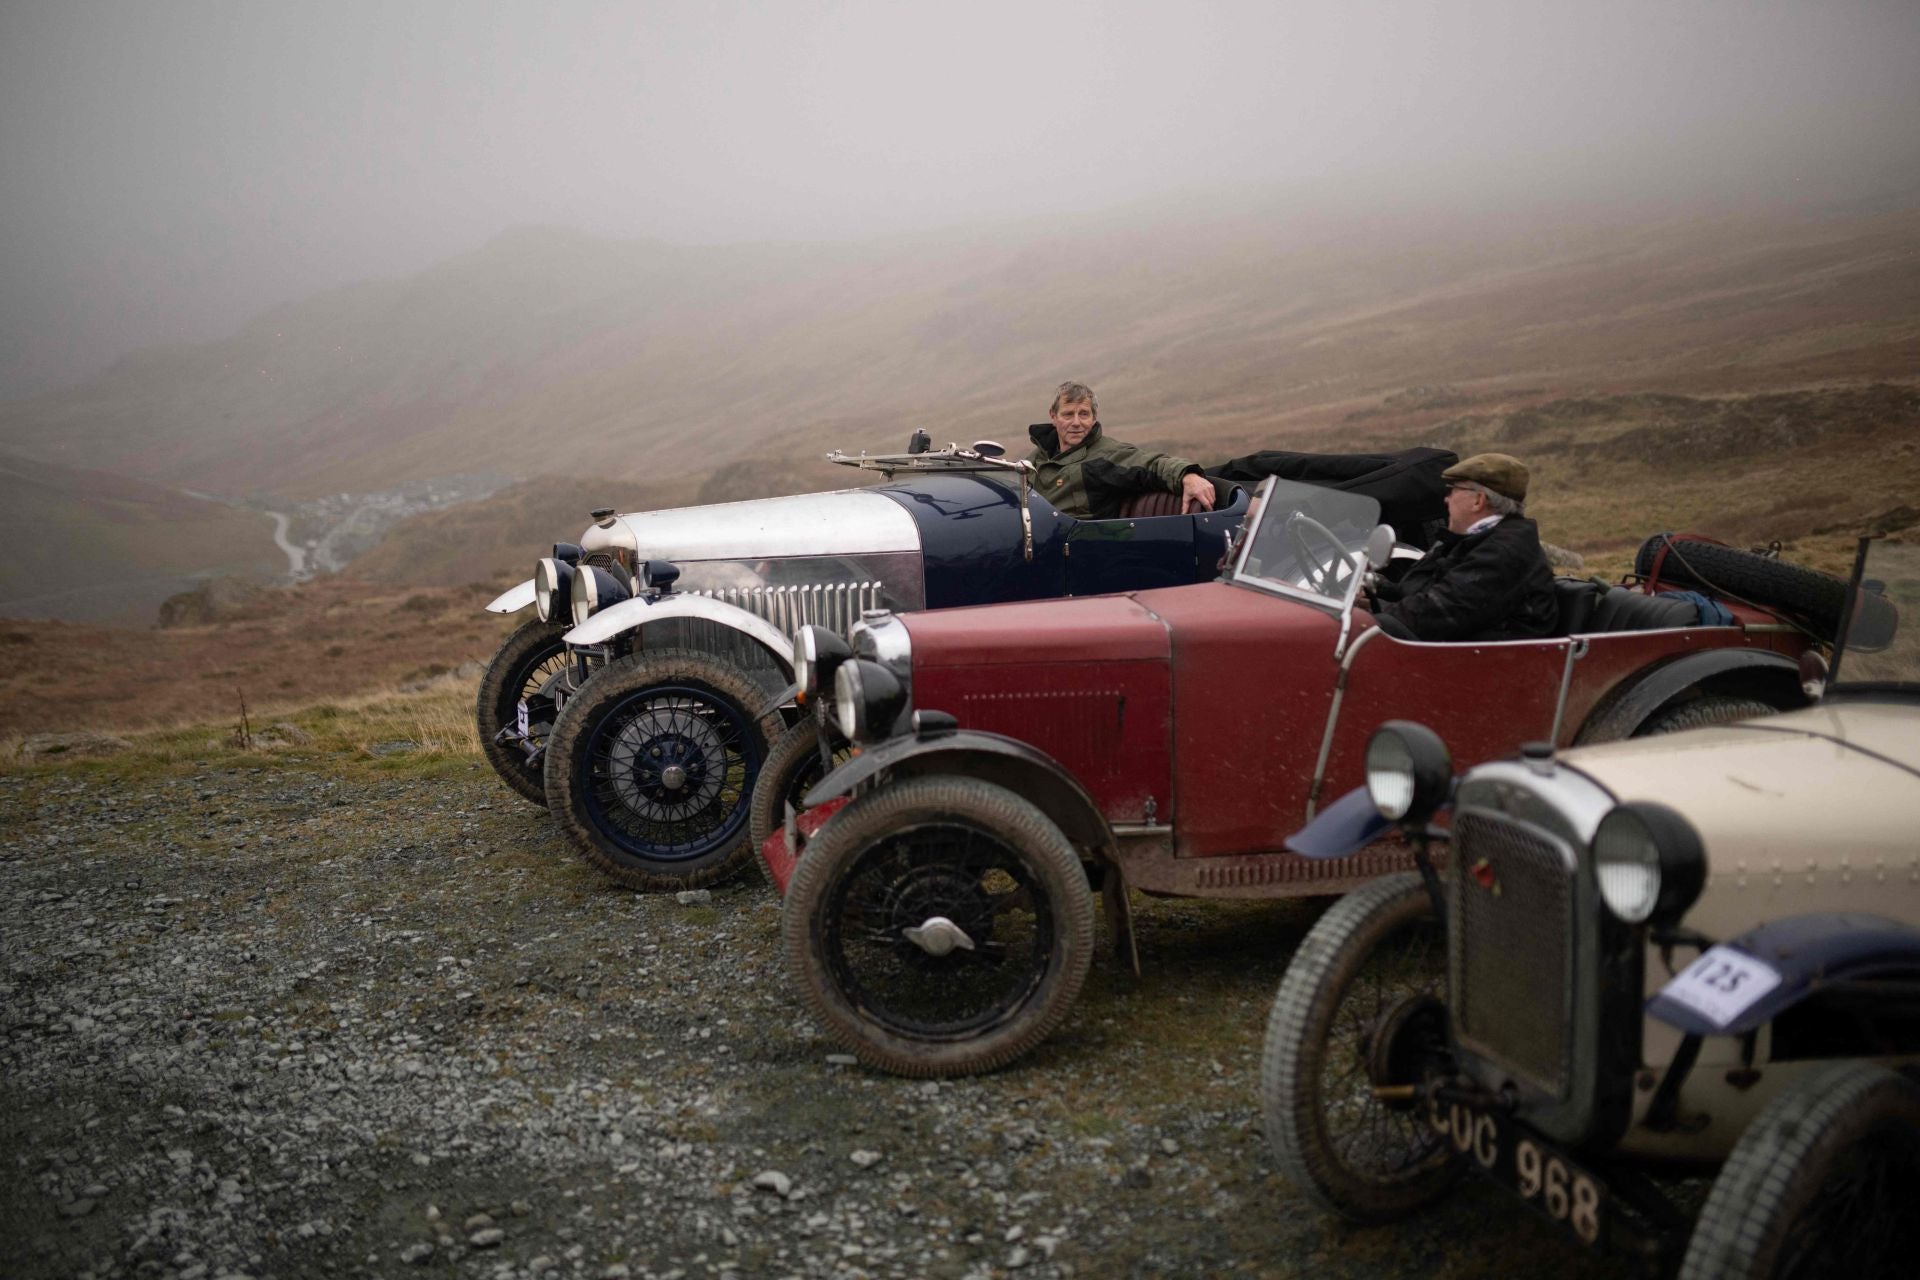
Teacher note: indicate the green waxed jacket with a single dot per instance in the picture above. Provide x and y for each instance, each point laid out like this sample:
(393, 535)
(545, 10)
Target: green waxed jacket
(1092, 480)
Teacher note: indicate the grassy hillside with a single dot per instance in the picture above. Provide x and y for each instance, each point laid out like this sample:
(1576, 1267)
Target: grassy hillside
(550, 352)
(89, 544)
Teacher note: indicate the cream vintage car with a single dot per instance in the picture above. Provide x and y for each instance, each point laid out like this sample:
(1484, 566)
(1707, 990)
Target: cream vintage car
(1700, 950)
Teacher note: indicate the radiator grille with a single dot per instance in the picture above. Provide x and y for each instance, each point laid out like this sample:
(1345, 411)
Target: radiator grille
(834, 605)
(1512, 941)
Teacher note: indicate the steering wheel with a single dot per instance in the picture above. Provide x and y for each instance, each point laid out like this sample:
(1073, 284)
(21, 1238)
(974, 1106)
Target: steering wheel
(1330, 577)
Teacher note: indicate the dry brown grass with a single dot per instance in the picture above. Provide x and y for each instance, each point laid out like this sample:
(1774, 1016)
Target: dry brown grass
(318, 643)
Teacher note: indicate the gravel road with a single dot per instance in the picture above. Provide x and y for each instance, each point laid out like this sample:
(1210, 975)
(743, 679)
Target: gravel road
(314, 1020)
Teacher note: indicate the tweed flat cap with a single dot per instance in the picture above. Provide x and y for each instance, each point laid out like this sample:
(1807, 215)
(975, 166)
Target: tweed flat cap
(1503, 473)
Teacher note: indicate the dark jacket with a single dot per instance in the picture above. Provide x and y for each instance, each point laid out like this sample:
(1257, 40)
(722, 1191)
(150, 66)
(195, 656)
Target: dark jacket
(1491, 585)
(1095, 477)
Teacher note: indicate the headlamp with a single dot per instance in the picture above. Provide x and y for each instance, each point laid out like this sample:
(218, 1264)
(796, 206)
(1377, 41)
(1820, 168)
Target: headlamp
(1649, 863)
(1409, 772)
(594, 589)
(552, 588)
(866, 699)
(817, 654)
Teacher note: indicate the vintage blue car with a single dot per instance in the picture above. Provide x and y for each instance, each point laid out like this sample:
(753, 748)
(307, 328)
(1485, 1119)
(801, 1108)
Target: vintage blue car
(683, 620)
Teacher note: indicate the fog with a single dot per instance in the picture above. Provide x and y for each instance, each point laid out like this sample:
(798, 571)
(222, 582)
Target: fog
(169, 169)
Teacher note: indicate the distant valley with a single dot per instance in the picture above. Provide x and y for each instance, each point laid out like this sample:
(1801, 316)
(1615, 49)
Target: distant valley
(583, 372)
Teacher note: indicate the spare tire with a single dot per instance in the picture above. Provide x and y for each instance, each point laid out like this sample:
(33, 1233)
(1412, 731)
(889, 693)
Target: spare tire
(1817, 598)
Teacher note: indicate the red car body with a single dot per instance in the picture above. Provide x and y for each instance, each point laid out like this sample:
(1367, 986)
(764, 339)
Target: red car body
(1206, 723)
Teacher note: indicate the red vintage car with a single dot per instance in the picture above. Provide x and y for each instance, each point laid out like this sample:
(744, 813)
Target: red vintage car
(1010, 761)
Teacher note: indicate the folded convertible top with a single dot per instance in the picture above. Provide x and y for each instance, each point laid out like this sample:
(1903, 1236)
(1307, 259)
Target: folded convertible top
(1407, 484)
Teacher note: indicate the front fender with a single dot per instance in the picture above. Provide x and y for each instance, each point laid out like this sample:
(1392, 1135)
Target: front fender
(631, 615)
(1005, 762)
(1627, 710)
(1800, 955)
(1346, 826)
(514, 599)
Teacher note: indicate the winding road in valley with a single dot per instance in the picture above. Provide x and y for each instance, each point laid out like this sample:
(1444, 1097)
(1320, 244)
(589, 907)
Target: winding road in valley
(296, 556)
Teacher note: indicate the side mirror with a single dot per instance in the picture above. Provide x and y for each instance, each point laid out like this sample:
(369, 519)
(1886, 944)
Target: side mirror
(1380, 546)
(990, 448)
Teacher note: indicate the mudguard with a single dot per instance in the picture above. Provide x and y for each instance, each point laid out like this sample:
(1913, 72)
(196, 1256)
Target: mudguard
(1346, 826)
(1626, 712)
(1738, 986)
(514, 599)
(988, 756)
(630, 615)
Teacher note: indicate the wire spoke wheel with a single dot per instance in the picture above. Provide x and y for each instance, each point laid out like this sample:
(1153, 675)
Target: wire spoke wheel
(1361, 1006)
(527, 663)
(882, 931)
(939, 926)
(669, 770)
(651, 766)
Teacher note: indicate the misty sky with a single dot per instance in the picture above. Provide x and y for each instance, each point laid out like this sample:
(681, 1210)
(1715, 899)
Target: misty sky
(170, 167)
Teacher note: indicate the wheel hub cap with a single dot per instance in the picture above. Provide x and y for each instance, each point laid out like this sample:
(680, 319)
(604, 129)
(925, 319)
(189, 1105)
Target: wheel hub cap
(938, 936)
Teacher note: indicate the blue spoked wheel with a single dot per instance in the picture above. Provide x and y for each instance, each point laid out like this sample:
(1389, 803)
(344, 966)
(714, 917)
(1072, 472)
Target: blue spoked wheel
(651, 766)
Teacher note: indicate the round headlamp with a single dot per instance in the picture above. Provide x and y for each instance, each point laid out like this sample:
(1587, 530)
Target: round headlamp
(1649, 863)
(866, 699)
(552, 589)
(594, 589)
(1409, 772)
(817, 654)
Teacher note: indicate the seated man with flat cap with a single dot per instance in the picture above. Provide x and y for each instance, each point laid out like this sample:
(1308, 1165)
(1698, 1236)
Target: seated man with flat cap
(1486, 577)
(1084, 472)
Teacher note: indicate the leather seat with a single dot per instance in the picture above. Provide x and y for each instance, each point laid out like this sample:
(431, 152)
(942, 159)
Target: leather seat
(1142, 505)
(1576, 599)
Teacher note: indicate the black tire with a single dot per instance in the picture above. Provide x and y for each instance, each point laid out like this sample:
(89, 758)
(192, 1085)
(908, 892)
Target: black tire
(650, 766)
(984, 859)
(522, 666)
(1372, 964)
(1708, 708)
(1820, 1185)
(792, 768)
(1817, 598)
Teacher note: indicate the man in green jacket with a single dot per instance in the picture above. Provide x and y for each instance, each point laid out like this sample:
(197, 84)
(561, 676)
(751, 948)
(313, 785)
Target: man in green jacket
(1084, 473)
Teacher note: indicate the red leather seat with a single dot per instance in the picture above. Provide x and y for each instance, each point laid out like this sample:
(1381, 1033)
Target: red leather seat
(1142, 505)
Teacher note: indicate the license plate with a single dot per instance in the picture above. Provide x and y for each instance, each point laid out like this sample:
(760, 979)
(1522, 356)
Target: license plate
(520, 717)
(1527, 1166)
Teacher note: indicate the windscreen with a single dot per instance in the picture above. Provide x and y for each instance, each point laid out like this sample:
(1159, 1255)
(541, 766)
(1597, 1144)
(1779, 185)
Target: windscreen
(1307, 541)
(1882, 645)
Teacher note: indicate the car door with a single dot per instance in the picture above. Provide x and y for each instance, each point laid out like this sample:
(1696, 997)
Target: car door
(1484, 699)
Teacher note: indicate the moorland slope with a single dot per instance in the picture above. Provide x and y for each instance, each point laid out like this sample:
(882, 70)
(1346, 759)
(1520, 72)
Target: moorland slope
(549, 352)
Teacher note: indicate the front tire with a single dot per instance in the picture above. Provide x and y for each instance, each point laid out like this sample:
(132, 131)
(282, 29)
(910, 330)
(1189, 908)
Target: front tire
(793, 767)
(939, 927)
(1360, 1006)
(521, 668)
(1820, 1184)
(650, 766)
